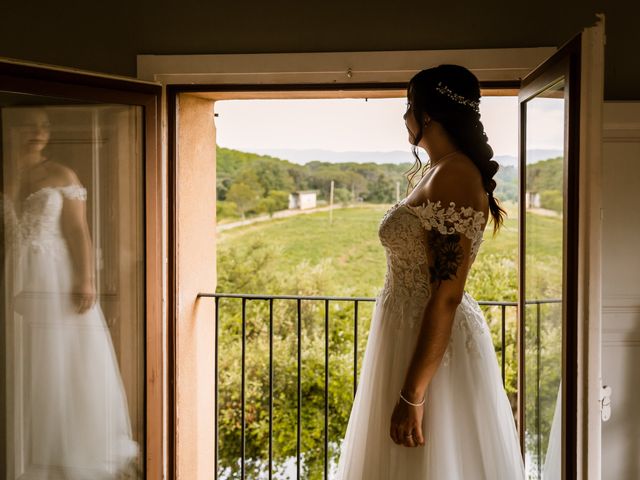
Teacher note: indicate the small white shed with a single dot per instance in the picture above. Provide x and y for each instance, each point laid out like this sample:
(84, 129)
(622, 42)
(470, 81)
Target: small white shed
(532, 200)
(302, 199)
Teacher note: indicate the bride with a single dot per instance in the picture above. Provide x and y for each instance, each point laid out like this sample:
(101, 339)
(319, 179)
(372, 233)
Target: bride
(430, 403)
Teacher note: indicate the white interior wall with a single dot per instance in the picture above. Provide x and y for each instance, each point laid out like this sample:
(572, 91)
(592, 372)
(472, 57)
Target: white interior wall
(621, 289)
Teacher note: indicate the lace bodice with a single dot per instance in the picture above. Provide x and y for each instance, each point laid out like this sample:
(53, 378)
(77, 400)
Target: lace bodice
(406, 287)
(38, 225)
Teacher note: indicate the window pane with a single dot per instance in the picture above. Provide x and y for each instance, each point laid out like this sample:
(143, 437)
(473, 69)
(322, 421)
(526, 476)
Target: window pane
(72, 332)
(544, 197)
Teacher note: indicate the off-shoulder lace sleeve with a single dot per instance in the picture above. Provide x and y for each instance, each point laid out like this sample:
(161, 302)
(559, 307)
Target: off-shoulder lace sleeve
(74, 192)
(451, 219)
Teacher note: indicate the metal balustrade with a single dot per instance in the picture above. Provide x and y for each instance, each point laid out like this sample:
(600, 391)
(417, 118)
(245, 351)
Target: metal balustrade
(298, 299)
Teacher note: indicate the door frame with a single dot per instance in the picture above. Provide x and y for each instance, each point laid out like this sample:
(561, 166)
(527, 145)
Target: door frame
(328, 68)
(350, 74)
(182, 317)
(52, 81)
(344, 72)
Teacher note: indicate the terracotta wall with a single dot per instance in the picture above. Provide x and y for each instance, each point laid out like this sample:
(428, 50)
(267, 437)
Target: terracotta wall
(196, 257)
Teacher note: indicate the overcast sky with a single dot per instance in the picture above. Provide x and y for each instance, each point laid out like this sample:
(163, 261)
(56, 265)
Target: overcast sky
(373, 125)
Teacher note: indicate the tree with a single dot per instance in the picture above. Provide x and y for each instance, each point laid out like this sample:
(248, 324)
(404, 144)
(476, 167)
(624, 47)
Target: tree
(341, 195)
(226, 209)
(272, 176)
(243, 196)
(253, 268)
(551, 199)
(275, 201)
(280, 198)
(382, 190)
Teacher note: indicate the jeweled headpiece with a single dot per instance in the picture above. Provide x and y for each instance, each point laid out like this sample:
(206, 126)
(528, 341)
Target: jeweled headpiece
(444, 90)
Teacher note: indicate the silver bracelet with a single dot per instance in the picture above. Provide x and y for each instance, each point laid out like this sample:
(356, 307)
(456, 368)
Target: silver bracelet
(411, 403)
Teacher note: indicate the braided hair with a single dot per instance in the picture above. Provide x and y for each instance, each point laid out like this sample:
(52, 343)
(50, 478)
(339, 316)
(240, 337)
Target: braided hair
(450, 95)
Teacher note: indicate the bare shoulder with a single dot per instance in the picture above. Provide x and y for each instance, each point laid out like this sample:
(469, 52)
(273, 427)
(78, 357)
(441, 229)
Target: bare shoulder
(457, 180)
(61, 175)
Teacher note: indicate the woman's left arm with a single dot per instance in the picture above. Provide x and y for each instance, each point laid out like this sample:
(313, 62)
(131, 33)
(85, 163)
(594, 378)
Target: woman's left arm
(76, 232)
(449, 258)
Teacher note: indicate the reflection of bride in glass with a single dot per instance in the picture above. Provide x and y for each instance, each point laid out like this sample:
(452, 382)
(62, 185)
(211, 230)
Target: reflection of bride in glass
(73, 417)
(552, 468)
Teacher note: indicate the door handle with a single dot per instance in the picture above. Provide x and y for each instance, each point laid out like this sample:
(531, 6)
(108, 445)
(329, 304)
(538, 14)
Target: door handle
(605, 402)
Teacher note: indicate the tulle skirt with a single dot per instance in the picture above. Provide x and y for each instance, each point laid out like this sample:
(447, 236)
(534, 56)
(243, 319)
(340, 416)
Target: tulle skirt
(71, 419)
(468, 423)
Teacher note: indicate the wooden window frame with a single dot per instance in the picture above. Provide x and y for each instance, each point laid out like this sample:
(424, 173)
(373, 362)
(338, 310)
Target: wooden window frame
(48, 81)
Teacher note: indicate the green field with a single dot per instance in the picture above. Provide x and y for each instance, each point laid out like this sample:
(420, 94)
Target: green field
(350, 254)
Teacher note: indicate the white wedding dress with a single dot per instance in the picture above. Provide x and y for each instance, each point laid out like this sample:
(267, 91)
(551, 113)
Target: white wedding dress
(68, 393)
(468, 424)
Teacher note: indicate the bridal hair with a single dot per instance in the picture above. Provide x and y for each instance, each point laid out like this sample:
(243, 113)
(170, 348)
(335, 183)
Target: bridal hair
(450, 95)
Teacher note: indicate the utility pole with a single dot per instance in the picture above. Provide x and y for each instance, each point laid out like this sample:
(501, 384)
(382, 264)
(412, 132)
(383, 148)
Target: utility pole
(331, 204)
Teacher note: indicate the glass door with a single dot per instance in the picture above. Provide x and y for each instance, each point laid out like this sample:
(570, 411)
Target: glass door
(553, 202)
(543, 278)
(80, 349)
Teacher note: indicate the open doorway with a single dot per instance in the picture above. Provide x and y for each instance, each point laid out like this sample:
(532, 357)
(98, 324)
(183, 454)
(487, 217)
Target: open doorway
(326, 258)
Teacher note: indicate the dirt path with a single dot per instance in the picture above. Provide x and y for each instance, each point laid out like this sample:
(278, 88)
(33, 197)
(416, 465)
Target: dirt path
(279, 214)
(545, 212)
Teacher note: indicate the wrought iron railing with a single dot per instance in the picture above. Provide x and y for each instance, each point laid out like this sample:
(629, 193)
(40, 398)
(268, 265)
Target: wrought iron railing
(244, 298)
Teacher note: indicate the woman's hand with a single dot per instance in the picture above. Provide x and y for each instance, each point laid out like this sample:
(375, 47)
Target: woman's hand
(406, 424)
(84, 295)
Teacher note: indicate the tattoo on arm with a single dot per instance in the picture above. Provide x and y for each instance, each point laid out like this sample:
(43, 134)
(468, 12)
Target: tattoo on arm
(447, 256)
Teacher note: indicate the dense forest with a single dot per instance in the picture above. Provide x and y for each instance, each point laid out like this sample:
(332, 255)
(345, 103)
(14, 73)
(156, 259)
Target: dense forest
(249, 184)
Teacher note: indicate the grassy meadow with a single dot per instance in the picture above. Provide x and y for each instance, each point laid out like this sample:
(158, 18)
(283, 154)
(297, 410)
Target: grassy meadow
(350, 251)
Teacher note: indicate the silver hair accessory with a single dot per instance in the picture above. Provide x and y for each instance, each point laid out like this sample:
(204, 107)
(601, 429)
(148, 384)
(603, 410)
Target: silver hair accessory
(444, 90)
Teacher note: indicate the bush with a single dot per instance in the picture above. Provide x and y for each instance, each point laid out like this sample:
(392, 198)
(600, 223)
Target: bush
(226, 209)
(253, 267)
(341, 195)
(551, 200)
(243, 196)
(280, 199)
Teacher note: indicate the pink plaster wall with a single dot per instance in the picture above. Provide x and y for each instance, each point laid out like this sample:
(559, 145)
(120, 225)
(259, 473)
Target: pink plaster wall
(196, 257)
